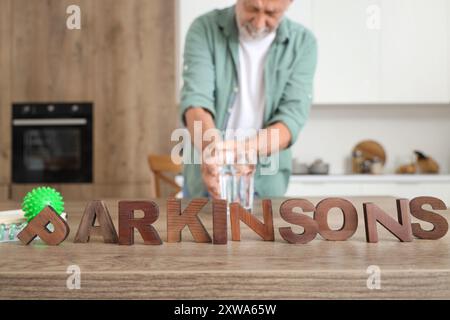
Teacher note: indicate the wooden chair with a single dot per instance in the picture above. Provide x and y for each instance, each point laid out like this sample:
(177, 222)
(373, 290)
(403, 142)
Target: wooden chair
(160, 164)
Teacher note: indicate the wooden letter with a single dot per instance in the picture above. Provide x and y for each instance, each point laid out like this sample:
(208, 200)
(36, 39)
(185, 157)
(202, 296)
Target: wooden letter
(38, 227)
(349, 226)
(311, 228)
(177, 220)
(96, 210)
(127, 222)
(401, 229)
(440, 224)
(220, 228)
(265, 231)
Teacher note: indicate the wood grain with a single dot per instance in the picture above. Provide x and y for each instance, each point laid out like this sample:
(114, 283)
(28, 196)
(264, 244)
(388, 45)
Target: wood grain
(220, 221)
(96, 210)
(264, 230)
(250, 269)
(310, 226)
(38, 227)
(440, 224)
(128, 222)
(5, 97)
(177, 220)
(134, 90)
(401, 229)
(65, 71)
(229, 285)
(112, 61)
(350, 223)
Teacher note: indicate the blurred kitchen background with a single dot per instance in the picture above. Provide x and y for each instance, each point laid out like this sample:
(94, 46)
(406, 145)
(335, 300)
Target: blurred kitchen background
(107, 95)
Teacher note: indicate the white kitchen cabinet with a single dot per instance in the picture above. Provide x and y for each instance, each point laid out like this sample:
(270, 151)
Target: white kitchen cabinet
(405, 60)
(349, 51)
(400, 186)
(414, 51)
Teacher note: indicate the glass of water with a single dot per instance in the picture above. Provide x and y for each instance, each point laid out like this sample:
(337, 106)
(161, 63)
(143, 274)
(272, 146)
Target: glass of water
(237, 180)
(245, 185)
(227, 178)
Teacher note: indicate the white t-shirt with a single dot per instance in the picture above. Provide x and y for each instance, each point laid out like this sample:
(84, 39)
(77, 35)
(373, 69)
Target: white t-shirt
(248, 109)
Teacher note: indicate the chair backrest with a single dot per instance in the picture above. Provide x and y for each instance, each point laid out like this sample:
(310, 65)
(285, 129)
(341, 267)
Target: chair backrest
(160, 164)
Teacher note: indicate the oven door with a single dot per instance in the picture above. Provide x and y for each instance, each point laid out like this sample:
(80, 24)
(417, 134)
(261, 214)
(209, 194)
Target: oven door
(52, 150)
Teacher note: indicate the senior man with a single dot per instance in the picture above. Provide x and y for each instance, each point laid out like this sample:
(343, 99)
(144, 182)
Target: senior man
(247, 67)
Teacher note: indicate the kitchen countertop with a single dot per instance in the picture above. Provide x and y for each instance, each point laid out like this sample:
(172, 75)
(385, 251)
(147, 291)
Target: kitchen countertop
(361, 178)
(249, 269)
(396, 178)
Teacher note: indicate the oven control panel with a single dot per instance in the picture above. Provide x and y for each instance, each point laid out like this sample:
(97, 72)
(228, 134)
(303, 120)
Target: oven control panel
(52, 110)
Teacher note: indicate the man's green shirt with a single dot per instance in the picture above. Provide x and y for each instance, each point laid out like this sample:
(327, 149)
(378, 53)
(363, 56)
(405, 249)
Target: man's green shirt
(210, 74)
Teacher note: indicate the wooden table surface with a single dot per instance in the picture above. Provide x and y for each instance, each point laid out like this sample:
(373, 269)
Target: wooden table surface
(249, 269)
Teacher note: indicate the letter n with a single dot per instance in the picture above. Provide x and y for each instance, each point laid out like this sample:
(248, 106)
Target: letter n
(401, 228)
(264, 230)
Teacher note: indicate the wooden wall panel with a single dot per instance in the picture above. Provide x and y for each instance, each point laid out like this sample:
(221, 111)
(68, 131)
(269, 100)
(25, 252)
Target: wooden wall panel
(5, 89)
(50, 62)
(135, 87)
(123, 59)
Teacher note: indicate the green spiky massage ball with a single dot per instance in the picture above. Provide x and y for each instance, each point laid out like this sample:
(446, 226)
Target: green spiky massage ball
(37, 199)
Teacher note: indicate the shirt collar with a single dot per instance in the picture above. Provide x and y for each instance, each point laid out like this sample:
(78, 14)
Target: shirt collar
(227, 22)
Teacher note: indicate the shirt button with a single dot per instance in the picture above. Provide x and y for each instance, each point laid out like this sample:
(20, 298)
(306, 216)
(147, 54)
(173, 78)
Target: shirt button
(236, 89)
(186, 67)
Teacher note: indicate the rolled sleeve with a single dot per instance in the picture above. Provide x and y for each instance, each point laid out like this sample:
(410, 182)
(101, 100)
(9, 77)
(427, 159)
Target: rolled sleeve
(295, 104)
(198, 70)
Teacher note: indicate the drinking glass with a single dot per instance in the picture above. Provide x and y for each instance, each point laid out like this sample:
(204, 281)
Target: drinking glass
(236, 179)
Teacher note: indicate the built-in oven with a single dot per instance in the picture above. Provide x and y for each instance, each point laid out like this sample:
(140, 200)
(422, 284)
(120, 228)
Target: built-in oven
(52, 142)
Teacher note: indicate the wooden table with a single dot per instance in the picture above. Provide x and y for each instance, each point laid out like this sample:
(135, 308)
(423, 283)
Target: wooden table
(249, 269)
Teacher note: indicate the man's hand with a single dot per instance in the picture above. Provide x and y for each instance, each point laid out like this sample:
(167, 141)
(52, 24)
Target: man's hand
(210, 176)
(242, 154)
(209, 168)
(270, 140)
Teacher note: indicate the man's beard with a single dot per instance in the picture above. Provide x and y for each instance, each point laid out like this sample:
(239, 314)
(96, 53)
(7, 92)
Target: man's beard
(248, 31)
(253, 33)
